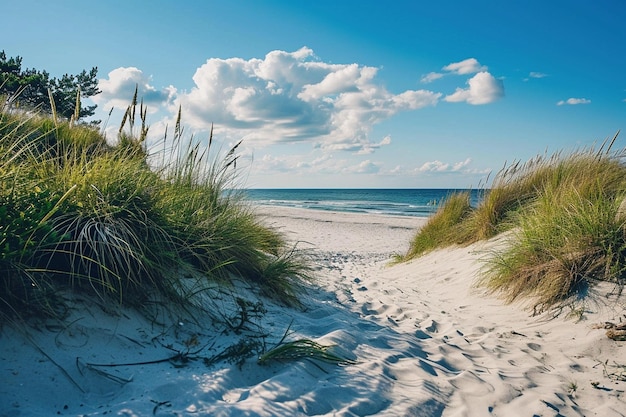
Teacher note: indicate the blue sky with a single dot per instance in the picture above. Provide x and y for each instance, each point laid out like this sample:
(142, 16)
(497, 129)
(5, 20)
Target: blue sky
(326, 94)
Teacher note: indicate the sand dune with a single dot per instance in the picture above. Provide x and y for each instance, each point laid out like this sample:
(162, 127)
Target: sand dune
(424, 341)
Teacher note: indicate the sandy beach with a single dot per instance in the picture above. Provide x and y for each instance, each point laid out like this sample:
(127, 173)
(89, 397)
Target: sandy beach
(420, 339)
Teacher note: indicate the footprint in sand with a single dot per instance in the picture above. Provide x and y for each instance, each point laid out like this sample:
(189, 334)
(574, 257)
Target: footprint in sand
(422, 335)
(358, 281)
(471, 384)
(534, 346)
(433, 327)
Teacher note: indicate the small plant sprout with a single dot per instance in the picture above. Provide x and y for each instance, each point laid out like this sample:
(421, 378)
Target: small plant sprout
(572, 387)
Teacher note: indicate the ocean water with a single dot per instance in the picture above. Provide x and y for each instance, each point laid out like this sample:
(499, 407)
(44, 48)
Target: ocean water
(401, 202)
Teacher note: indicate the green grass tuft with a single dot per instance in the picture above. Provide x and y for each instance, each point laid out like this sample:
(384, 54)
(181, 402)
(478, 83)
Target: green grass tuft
(116, 221)
(442, 228)
(565, 214)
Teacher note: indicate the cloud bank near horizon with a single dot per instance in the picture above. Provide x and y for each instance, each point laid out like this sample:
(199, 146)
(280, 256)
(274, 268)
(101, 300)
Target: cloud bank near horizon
(302, 166)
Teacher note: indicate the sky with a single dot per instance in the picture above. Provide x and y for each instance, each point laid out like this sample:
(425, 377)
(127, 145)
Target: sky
(347, 93)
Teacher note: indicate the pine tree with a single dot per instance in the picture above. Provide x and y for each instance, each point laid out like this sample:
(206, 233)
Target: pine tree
(30, 87)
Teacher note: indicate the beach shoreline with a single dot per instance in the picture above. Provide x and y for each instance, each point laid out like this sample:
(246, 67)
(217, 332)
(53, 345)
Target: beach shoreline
(425, 341)
(334, 230)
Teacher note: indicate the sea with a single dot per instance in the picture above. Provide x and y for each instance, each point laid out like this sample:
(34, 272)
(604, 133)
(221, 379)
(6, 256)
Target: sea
(419, 202)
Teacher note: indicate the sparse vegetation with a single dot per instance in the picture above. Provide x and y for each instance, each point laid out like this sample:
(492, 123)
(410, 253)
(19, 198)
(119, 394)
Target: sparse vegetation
(302, 349)
(572, 387)
(565, 215)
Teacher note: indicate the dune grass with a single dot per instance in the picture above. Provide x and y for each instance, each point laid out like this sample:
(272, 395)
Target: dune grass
(443, 228)
(565, 214)
(79, 214)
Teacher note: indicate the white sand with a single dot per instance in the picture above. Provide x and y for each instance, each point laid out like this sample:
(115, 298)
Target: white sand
(426, 344)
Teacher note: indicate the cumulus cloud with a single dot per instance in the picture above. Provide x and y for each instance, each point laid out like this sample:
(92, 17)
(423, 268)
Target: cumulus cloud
(310, 165)
(433, 166)
(270, 163)
(295, 97)
(430, 77)
(336, 82)
(460, 165)
(467, 66)
(301, 164)
(291, 97)
(438, 166)
(119, 87)
(371, 147)
(316, 164)
(573, 101)
(483, 88)
(535, 74)
(365, 167)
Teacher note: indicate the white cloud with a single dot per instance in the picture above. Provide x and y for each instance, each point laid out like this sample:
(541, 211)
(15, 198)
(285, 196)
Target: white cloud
(294, 97)
(438, 166)
(291, 97)
(119, 87)
(460, 165)
(298, 164)
(483, 88)
(398, 169)
(365, 167)
(534, 74)
(314, 164)
(318, 164)
(269, 163)
(368, 167)
(573, 101)
(433, 166)
(371, 147)
(335, 83)
(430, 77)
(467, 66)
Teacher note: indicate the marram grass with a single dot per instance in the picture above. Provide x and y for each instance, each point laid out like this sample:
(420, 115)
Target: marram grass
(566, 223)
(78, 213)
(443, 228)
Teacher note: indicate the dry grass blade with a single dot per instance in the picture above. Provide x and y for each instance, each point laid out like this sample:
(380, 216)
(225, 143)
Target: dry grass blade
(76, 114)
(54, 109)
